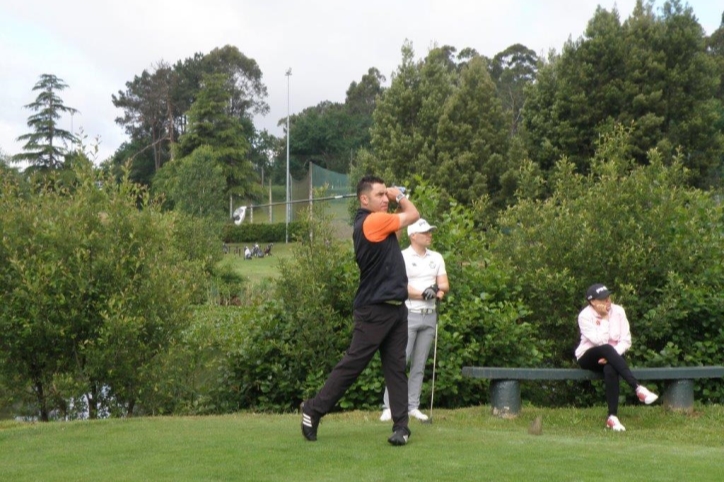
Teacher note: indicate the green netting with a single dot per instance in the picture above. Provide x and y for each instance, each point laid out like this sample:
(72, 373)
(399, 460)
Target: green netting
(335, 184)
(319, 181)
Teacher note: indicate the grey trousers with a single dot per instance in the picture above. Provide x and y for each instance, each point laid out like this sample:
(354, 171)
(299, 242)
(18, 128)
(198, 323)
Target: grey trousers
(420, 335)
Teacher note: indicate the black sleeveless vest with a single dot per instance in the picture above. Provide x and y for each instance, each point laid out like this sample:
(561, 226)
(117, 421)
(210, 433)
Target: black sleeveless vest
(382, 267)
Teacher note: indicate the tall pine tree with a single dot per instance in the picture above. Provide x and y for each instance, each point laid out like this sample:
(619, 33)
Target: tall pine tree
(47, 144)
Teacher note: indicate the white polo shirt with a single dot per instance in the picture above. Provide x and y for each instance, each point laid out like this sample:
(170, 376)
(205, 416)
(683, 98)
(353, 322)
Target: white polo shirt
(422, 272)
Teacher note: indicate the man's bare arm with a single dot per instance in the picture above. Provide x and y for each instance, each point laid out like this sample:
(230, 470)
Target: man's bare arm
(407, 211)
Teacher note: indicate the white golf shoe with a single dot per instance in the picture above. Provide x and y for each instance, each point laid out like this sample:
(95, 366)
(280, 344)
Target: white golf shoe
(614, 424)
(386, 415)
(645, 395)
(418, 415)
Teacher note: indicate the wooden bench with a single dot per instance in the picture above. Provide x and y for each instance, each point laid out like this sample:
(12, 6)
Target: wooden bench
(505, 383)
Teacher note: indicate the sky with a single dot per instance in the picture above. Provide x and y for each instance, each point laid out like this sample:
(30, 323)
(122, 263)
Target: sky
(96, 46)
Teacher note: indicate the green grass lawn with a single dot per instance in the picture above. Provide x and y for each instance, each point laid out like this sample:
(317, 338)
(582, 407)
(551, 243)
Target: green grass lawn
(257, 269)
(465, 444)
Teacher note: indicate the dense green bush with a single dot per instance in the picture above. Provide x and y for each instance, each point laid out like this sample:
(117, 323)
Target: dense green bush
(284, 346)
(262, 233)
(93, 291)
(294, 335)
(482, 321)
(657, 244)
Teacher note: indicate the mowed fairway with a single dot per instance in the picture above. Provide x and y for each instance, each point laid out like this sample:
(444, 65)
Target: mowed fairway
(461, 445)
(257, 269)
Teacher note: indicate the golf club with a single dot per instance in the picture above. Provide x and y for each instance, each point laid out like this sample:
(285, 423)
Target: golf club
(434, 363)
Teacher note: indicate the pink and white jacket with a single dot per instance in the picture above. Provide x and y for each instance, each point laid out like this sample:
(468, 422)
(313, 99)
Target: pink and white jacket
(596, 331)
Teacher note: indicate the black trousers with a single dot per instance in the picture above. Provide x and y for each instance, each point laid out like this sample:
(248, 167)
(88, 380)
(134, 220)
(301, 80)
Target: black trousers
(380, 327)
(615, 367)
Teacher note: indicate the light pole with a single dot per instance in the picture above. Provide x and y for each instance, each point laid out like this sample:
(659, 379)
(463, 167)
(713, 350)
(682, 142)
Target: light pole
(289, 75)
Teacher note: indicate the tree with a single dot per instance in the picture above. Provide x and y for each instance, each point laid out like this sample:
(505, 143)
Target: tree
(150, 115)
(441, 119)
(361, 96)
(135, 159)
(194, 184)
(513, 70)
(330, 133)
(263, 148)
(651, 72)
(93, 290)
(653, 241)
(327, 135)
(156, 103)
(210, 123)
(43, 149)
(715, 48)
(472, 138)
(5, 168)
(404, 133)
(247, 92)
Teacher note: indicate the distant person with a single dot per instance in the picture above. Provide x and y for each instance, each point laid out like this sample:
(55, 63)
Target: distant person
(380, 314)
(605, 337)
(426, 283)
(247, 252)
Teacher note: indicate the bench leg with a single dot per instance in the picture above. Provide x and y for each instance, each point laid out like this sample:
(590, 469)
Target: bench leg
(679, 395)
(505, 398)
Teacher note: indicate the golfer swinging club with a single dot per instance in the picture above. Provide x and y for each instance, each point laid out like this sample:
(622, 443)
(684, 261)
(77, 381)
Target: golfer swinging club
(380, 314)
(426, 282)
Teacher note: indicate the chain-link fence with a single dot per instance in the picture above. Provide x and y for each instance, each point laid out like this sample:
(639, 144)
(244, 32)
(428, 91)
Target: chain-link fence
(319, 185)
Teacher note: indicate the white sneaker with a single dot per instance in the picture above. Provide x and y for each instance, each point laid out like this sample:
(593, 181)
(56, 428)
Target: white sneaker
(386, 415)
(614, 424)
(645, 395)
(418, 415)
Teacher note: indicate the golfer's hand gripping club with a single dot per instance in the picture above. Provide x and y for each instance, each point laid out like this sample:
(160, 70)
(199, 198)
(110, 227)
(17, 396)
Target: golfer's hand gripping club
(430, 292)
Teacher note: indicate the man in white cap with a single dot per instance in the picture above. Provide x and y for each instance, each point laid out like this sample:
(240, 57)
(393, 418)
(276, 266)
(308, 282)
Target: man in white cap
(426, 283)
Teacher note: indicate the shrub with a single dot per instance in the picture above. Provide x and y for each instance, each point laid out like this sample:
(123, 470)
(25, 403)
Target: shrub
(657, 244)
(93, 290)
(292, 340)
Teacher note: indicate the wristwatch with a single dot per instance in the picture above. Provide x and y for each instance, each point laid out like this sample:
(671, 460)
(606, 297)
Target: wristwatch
(399, 198)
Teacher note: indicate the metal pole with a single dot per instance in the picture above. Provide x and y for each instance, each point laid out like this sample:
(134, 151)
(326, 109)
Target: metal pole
(289, 74)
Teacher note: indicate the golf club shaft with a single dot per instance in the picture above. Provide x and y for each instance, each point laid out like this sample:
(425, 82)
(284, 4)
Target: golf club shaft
(434, 364)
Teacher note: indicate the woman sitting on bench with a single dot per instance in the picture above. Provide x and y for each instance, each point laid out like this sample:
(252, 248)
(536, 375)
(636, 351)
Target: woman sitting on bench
(605, 337)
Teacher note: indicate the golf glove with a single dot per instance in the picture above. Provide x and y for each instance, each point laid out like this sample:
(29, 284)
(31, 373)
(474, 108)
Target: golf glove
(430, 292)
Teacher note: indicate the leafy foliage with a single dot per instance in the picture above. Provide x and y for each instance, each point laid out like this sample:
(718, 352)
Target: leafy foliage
(94, 291)
(651, 73)
(330, 133)
(637, 229)
(155, 105)
(209, 124)
(513, 70)
(43, 149)
(286, 344)
(442, 119)
(194, 184)
(292, 338)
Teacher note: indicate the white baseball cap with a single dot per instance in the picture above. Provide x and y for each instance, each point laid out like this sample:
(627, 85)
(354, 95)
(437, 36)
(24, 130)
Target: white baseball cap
(420, 226)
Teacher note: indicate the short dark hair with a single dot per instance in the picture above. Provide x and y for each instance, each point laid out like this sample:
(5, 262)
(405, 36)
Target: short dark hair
(365, 184)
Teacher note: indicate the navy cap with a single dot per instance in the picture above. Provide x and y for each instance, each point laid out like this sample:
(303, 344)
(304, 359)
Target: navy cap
(597, 292)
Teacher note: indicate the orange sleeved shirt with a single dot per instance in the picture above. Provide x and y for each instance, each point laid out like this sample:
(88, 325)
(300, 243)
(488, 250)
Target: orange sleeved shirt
(378, 226)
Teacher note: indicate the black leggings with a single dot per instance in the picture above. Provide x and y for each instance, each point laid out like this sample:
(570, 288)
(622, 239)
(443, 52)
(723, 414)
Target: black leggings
(616, 366)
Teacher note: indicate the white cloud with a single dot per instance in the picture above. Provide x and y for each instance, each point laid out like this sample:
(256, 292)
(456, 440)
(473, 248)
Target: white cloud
(96, 47)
